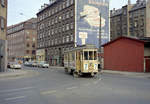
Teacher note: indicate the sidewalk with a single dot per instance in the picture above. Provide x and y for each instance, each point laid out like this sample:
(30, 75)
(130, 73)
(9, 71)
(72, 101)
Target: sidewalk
(56, 67)
(134, 74)
(12, 73)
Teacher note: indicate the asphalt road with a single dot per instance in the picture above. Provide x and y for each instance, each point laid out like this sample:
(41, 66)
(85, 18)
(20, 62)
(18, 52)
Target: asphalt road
(53, 86)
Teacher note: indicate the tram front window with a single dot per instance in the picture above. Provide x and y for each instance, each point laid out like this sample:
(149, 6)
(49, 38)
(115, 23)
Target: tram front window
(85, 55)
(95, 55)
(91, 56)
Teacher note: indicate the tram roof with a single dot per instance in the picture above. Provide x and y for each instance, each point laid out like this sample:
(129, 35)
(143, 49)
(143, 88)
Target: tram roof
(83, 47)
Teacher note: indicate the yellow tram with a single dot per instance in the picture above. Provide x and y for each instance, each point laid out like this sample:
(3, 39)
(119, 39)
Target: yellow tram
(81, 60)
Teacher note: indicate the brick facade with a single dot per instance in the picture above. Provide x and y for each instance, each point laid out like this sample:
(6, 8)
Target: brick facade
(22, 40)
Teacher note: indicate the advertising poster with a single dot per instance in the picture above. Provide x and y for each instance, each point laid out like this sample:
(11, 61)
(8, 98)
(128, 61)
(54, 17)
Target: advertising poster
(88, 22)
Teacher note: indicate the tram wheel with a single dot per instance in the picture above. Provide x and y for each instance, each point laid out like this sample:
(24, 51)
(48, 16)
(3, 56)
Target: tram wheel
(66, 70)
(75, 74)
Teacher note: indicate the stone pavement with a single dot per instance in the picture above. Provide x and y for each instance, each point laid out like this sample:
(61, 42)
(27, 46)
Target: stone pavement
(134, 74)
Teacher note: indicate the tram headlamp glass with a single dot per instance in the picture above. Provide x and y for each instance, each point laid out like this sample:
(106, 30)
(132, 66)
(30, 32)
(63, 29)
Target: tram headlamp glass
(95, 66)
(86, 66)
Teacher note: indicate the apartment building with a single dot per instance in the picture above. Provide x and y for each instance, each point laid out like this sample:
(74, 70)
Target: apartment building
(130, 20)
(22, 40)
(3, 29)
(65, 24)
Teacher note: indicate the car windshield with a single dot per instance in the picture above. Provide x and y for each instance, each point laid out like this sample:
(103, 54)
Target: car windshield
(43, 62)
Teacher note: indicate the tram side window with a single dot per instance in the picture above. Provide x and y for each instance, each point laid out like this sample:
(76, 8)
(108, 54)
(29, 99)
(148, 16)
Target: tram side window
(95, 55)
(73, 56)
(91, 55)
(85, 55)
(70, 56)
(65, 58)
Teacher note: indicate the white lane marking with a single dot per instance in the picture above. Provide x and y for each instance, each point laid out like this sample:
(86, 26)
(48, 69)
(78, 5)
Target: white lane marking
(19, 89)
(71, 88)
(48, 92)
(14, 98)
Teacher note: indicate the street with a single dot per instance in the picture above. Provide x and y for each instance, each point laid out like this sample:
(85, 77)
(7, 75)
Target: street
(53, 86)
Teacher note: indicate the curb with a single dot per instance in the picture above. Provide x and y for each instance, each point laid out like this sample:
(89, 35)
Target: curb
(134, 74)
(57, 67)
(16, 73)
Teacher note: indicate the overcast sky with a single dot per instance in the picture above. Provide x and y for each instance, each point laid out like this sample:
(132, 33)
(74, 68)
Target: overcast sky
(21, 10)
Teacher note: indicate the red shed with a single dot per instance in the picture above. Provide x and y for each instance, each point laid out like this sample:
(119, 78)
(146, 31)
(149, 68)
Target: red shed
(127, 54)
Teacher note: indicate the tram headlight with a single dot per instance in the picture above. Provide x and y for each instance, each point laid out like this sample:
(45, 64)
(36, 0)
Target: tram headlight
(86, 66)
(95, 66)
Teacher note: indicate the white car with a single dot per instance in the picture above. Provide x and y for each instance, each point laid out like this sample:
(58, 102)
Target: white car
(15, 65)
(43, 64)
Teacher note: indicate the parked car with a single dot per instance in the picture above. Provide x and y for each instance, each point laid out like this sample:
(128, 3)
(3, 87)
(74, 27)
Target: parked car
(34, 64)
(43, 64)
(26, 63)
(30, 64)
(8, 65)
(14, 65)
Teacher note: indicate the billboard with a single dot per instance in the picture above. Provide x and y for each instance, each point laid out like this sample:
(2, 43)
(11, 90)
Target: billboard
(87, 22)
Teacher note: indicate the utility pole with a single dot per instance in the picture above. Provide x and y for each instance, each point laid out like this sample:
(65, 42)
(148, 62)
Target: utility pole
(100, 33)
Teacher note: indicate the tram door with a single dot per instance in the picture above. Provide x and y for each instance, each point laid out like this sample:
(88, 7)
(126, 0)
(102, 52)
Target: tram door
(78, 60)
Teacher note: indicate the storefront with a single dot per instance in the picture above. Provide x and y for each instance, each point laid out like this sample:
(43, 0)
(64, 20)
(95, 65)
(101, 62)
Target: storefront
(40, 55)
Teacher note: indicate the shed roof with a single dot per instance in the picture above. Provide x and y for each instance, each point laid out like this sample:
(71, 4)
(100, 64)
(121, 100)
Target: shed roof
(124, 37)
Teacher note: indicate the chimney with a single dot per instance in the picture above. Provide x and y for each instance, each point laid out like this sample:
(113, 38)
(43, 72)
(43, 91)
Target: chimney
(42, 7)
(114, 9)
(129, 2)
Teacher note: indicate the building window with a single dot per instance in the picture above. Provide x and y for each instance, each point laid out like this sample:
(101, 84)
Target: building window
(71, 25)
(56, 10)
(3, 3)
(52, 21)
(71, 2)
(67, 4)
(71, 37)
(63, 39)
(33, 39)
(56, 30)
(28, 38)
(67, 26)
(55, 41)
(63, 16)
(67, 38)
(2, 23)
(60, 18)
(52, 11)
(49, 13)
(33, 52)
(28, 45)
(33, 45)
(52, 42)
(56, 19)
(71, 13)
(59, 29)
(27, 51)
(67, 15)
(52, 31)
(64, 4)
(63, 28)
